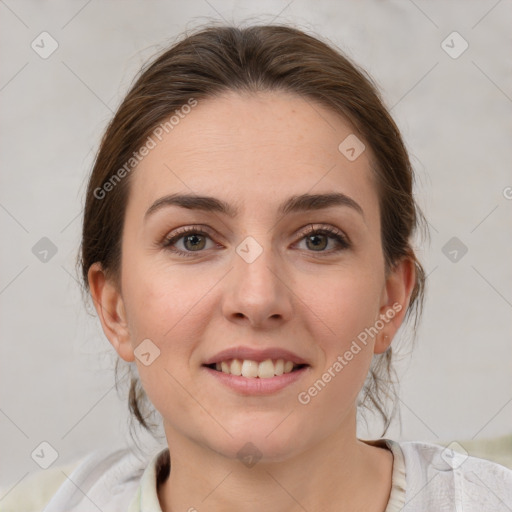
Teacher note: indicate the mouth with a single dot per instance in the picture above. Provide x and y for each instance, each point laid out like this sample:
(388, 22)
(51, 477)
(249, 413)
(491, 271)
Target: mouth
(250, 369)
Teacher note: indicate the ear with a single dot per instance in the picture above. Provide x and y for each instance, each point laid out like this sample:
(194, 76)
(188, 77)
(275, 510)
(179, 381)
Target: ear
(111, 311)
(396, 296)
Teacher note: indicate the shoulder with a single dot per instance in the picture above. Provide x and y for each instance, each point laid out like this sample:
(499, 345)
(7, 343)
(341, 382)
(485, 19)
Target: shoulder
(108, 478)
(33, 491)
(450, 477)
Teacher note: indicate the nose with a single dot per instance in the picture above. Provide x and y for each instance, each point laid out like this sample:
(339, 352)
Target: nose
(258, 289)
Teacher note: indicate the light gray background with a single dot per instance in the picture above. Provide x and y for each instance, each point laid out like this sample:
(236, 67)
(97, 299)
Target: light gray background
(455, 114)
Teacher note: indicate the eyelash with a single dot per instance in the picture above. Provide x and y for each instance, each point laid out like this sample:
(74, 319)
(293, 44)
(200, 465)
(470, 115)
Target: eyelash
(330, 232)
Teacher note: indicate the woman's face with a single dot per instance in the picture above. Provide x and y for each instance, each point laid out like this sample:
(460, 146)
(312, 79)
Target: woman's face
(254, 279)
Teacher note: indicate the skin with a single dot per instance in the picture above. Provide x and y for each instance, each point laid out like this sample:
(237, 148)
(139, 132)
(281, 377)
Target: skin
(254, 151)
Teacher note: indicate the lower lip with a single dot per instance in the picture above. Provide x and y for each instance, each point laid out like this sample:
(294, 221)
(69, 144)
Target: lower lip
(255, 385)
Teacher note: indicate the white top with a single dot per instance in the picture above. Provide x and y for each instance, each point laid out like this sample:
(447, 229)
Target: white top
(426, 477)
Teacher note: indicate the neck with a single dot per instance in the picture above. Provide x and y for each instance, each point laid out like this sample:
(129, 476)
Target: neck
(333, 475)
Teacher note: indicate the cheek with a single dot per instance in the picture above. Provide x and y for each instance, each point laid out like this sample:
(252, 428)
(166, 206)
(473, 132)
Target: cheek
(157, 296)
(151, 305)
(166, 309)
(347, 302)
(169, 305)
(347, 306)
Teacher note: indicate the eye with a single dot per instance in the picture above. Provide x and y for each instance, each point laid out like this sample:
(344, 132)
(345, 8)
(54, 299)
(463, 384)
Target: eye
(318, 239)
(193, 240)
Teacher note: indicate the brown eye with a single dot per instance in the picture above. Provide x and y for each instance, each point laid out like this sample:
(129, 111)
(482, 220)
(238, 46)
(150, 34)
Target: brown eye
(194, 240)
(318, 239)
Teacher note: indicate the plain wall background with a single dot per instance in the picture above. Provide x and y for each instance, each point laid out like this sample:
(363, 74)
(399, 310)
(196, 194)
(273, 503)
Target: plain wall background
(455, 115)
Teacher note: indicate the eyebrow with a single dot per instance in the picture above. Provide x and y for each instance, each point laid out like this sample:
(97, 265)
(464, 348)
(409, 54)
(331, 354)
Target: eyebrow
(294, 204)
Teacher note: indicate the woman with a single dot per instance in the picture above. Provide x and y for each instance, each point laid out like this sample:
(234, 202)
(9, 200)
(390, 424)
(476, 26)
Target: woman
(247, 245)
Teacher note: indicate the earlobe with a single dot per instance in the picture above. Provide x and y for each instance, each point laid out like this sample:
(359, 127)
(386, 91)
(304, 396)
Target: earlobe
(382, 343)
(111, 311)
(395, 301)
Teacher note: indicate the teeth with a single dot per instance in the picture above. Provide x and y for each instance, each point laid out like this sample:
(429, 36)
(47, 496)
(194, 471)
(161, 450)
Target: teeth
(249, 368)
(266, 369)
(252, 369)
(236, 367)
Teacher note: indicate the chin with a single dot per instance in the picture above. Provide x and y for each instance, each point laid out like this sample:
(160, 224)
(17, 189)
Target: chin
(261, 440)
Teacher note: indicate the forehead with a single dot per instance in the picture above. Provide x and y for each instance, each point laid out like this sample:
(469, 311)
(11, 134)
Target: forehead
(248, 148)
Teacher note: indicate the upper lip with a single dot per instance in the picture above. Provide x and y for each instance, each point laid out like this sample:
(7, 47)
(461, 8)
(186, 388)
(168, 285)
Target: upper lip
(253, 354)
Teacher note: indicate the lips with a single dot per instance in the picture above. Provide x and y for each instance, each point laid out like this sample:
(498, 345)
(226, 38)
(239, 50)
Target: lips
(263, 384)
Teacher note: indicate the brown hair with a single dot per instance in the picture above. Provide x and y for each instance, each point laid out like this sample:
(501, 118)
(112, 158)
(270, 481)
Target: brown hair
(215, 59)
